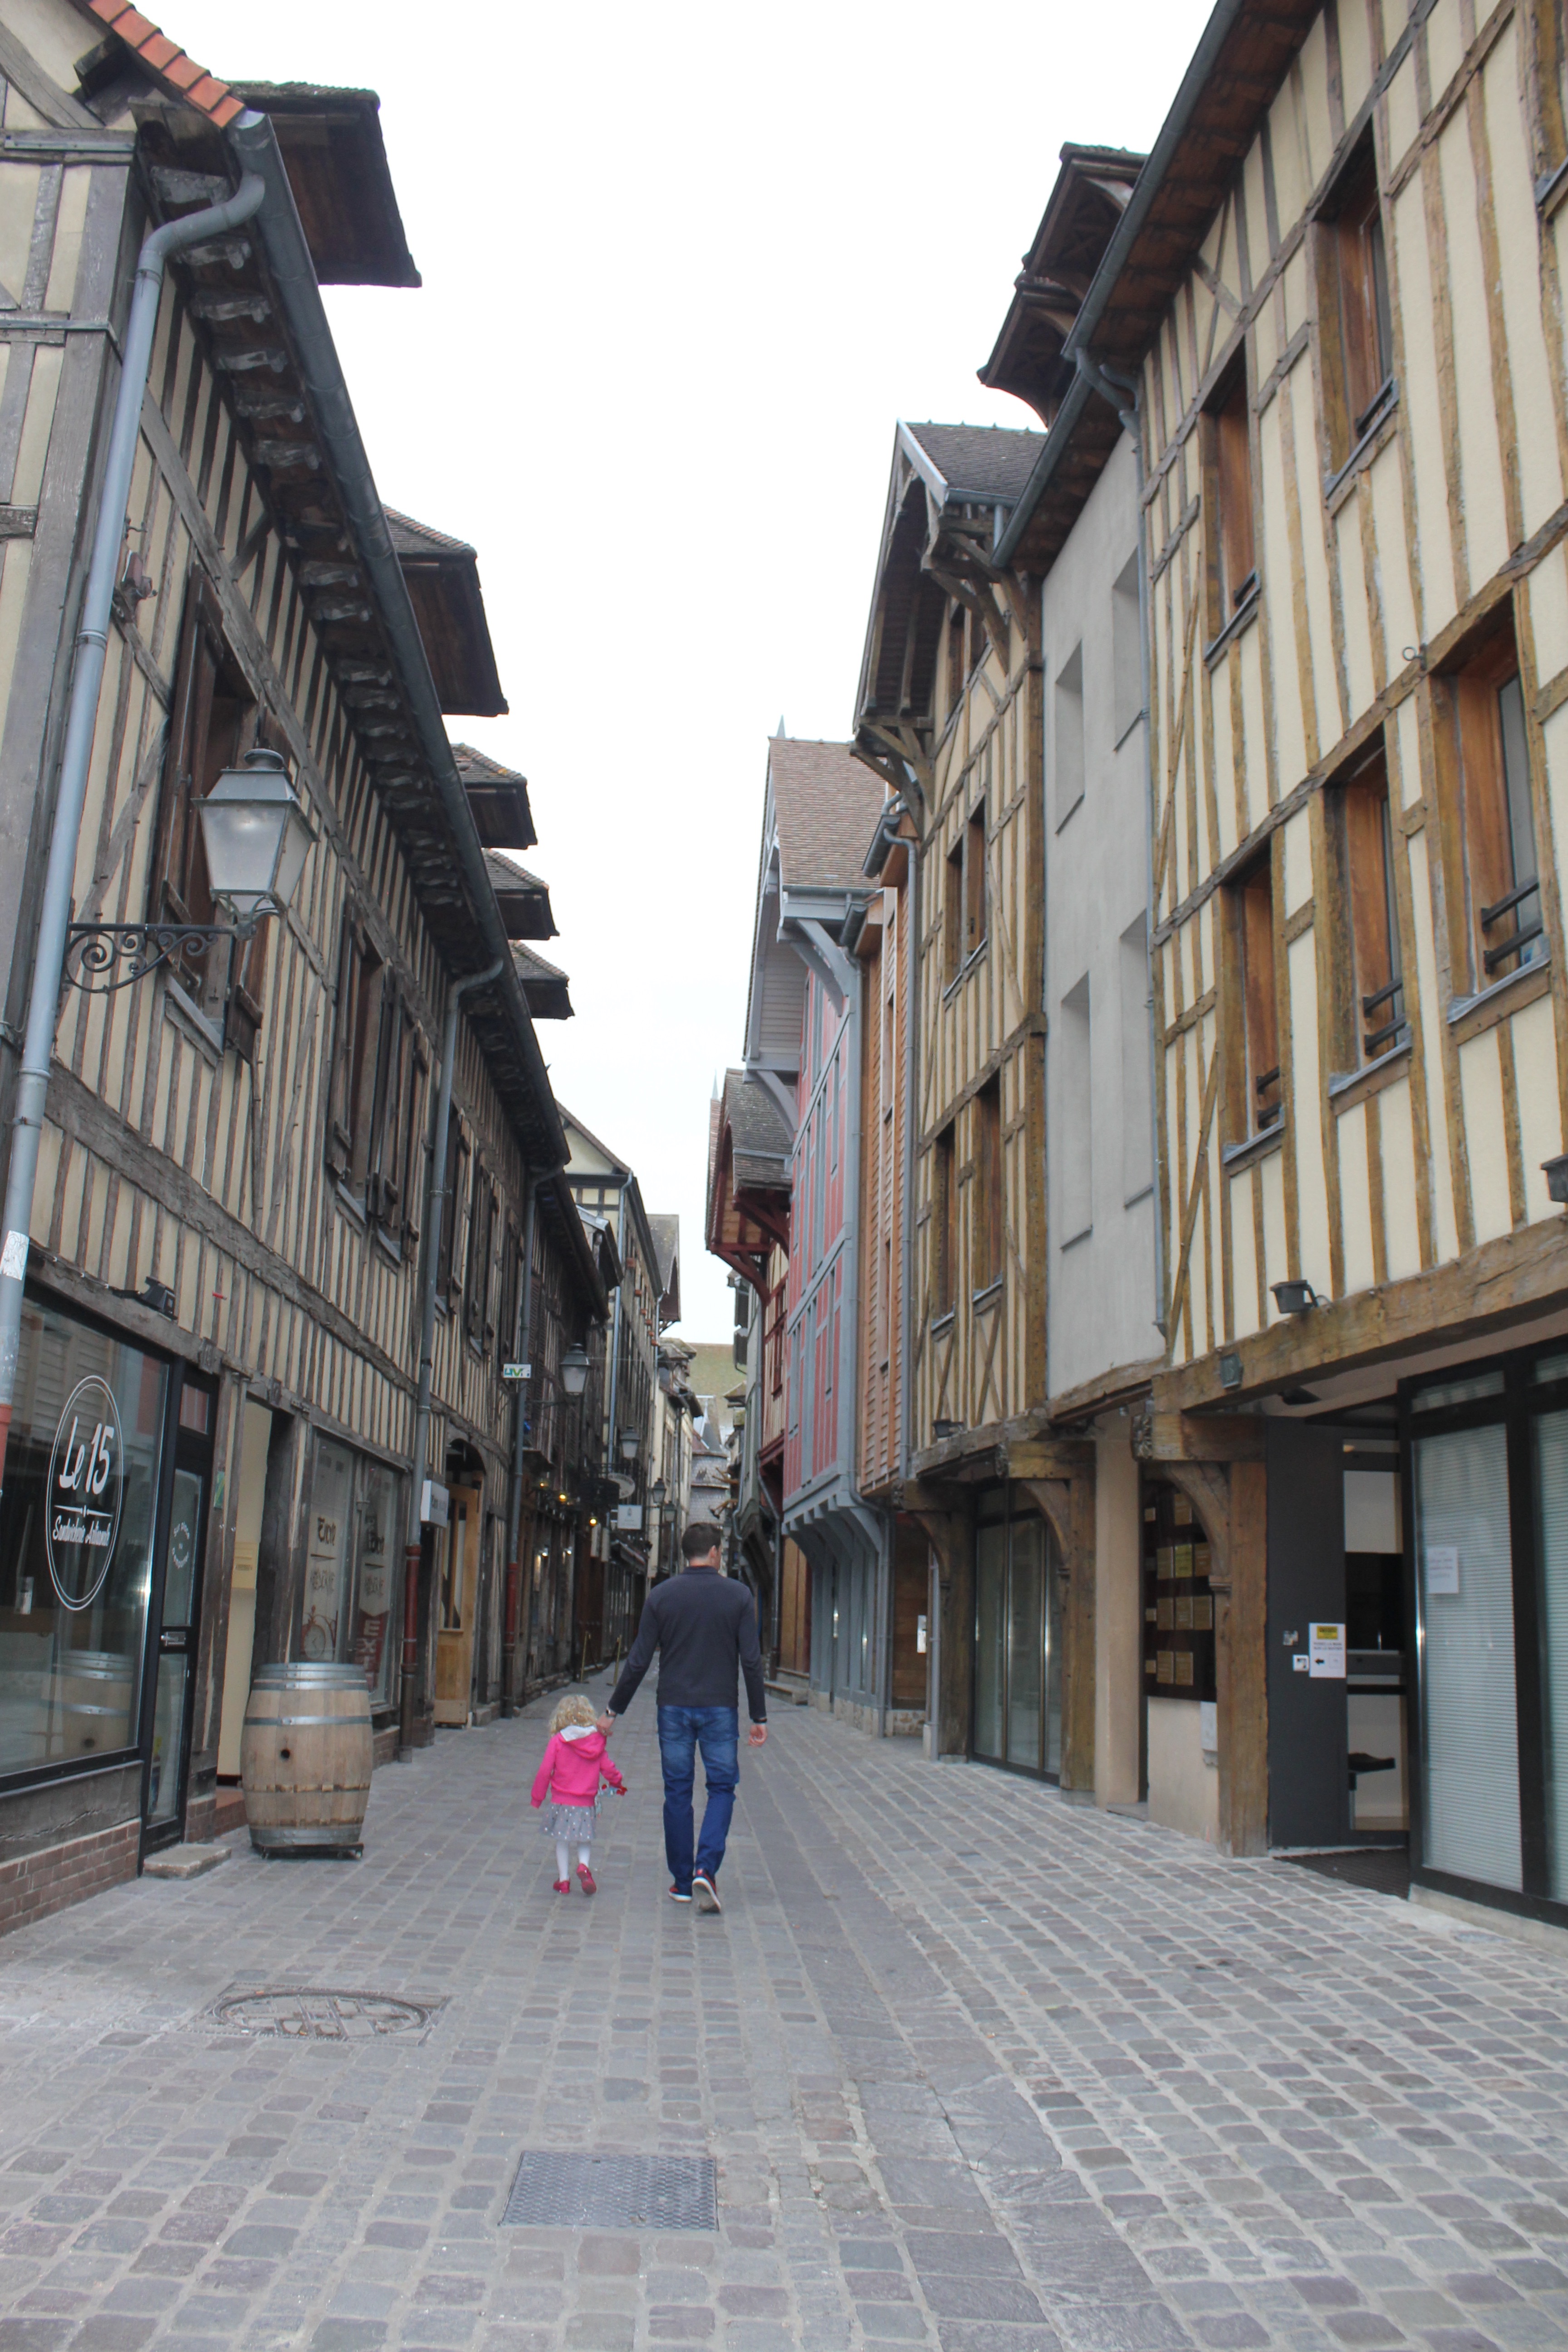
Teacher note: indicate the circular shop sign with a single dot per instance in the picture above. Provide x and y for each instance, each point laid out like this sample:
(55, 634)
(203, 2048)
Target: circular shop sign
(87, 1491)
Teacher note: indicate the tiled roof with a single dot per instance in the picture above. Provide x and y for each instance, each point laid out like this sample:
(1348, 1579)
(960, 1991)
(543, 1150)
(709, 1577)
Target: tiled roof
(980, 461)
(666, 1232)
(478, 768)
(411, 538)
(826, 804)
(168, 62)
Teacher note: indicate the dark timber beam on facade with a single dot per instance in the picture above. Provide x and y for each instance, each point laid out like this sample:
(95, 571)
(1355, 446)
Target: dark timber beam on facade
(1470, 1297)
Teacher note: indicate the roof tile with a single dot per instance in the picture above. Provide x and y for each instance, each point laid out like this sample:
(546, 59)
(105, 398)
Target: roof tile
(165, 58)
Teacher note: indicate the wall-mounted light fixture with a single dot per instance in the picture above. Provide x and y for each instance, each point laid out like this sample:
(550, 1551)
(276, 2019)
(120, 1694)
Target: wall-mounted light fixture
(630, 1443)
(574, 1371)
(1296, 1297)
(943, 1430)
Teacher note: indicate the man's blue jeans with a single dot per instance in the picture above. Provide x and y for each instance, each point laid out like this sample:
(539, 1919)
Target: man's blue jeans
(681, 1731)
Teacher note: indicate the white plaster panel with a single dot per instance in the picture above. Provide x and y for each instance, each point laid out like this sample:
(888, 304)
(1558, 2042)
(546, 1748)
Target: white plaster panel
(1243, 1256)
(1480, 458)
(1547, 591)
(1535, 446)
(1274, 565)
(1418, 393)
(1184, 1791)
(1480, 1092)
(1311, 1186)
(1298, 861)
(1359, 676)
(1540, 1108)
(1396, 554)
(1356, 1200)
(1401, 1233)
(1275, 1247)
(1445, 1229)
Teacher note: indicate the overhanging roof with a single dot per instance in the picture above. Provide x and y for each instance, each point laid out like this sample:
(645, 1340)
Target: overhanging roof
(443, 577)
(498, 799)
(336, 160)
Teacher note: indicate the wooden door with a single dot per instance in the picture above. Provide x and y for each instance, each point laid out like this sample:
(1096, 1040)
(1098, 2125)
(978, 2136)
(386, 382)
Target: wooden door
(456, 1604)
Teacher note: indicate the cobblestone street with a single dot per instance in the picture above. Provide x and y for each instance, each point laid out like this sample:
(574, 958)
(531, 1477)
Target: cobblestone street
(980, 2068)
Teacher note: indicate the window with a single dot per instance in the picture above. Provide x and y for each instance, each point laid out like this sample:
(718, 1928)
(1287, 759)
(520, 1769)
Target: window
(1233, 571)
(1126, 649)
(450, 1256)
(1068, 735)
(213, 722)
(944, 1224)
(1373, 985)
(953, 915)
(1133, 988)
(476, 1288)
(1259, 1105)
(1075, 1203)
(985, 1219)
(1484, 763)
(974, 894)
(1355, 320)
(373, 1140)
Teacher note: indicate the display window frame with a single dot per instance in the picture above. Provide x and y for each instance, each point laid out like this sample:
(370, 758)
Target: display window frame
(1515, 1405)
(365, 1462)
(996, 1506)
(137, 1750)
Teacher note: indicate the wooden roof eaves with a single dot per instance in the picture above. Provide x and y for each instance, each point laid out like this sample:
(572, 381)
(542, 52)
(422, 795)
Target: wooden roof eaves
(1069, 464)
(506, 1032)
(569, 1228)
(1234, 74)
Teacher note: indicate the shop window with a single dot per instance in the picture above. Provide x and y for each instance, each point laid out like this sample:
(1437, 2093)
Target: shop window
(1017, 1713)
(943, 1222)
(214, 721)
(987, 1225)
(1178, 1600)
(1371, 1019)
(1483, 751)
(1355, 320)
(1068, 736)
(1257, 1104)
(1232, 560)
(346, 1607)
(77, 1524)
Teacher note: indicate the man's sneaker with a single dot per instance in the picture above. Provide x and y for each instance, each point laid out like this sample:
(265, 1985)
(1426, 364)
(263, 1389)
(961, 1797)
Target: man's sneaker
(586, 1875)
(563, 1886)
(707, 1894)
(680, 1895)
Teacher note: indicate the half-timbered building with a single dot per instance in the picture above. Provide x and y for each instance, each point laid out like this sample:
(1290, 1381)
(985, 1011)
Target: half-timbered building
(1335, 297)
(235, 1195)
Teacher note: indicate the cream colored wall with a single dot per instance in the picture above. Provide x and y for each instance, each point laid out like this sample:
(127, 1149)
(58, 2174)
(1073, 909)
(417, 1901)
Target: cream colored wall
(1183, 1788)
(1467, 474)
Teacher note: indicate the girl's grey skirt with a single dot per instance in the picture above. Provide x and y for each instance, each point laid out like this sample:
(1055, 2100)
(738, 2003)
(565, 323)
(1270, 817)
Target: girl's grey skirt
(574, 1823)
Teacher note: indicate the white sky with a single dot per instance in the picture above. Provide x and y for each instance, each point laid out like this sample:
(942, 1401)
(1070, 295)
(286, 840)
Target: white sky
(684, 267)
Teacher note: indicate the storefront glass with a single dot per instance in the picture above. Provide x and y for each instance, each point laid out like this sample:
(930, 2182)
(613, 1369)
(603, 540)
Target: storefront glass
(77, 1524)
(1470, 1725)
(347, 1609)
(1017, 1641)
(1552, 1546)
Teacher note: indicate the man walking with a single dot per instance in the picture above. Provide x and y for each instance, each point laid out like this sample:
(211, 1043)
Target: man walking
(704, 1626)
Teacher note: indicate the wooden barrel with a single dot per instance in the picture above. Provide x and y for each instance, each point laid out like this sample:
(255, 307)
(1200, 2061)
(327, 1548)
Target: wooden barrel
(304, 1759)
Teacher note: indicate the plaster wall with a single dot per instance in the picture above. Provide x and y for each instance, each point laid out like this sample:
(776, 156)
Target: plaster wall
(1101, 1286)
(1183, 1789)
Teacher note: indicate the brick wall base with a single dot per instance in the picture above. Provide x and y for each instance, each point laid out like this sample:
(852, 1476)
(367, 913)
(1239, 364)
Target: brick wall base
(37, 1883)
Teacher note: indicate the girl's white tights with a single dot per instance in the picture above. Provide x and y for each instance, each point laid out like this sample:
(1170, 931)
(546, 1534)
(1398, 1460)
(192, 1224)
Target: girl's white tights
(563, 1857)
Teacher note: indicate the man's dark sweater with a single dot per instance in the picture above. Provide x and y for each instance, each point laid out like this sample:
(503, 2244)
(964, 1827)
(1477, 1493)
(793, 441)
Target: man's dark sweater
(704, 1627)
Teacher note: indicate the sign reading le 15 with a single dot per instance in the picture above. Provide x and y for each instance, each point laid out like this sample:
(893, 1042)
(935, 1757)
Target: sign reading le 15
(87, 1491)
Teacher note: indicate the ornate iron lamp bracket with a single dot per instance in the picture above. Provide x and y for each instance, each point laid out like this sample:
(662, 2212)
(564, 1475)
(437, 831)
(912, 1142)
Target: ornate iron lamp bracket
(101, 957)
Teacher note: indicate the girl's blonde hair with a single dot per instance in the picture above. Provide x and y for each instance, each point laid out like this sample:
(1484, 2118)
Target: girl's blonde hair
(574, 1708)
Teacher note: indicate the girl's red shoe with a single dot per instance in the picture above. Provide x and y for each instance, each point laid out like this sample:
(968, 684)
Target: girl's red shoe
(563, 1886)
(586, 1875)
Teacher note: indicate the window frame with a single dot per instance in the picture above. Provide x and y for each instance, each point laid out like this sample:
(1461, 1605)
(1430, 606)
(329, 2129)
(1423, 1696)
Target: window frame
(1252, 936)
(944, 1222)
(1230, 496)
(1355, 310)
(1371, 1004)
(1480, 805)
(987, 1257)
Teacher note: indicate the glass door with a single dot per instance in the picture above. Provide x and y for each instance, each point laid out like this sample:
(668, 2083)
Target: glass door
(1017, 1643)
(174, 1652)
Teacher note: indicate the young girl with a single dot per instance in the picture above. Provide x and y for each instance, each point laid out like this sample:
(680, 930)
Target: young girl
(574, 1763)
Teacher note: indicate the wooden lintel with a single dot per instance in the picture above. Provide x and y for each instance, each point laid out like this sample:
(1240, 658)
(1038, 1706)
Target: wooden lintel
(1046, 1457)
(1161, 1436)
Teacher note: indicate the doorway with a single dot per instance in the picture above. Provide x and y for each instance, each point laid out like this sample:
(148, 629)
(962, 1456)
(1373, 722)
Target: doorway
(456, 1603)
(169, 1748)
(1017, 1711)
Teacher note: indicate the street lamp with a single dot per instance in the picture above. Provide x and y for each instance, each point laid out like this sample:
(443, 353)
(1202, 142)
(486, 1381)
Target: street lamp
(657, 1494)
(256, 837)
(574, 1371)
(631, 1445)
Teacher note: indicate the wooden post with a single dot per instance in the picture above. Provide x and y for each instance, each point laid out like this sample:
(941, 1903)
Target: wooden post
(1068, 1507)
(1241, 1620)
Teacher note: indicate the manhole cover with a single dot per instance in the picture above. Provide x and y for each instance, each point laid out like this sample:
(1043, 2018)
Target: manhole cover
(310, 2013)
(614, 2192)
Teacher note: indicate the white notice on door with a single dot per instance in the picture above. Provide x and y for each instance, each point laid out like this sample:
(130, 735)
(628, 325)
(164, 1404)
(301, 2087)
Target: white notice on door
(1442, 1567)
(1328, 1651)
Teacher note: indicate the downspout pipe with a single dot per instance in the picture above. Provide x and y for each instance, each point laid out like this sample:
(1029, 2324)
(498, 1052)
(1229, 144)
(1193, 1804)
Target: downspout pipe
(508, 1700)
(1123, 394)
(434, 1207)
(82, 721)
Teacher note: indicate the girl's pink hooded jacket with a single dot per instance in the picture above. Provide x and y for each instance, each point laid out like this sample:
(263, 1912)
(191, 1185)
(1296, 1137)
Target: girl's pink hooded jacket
(574, 1763)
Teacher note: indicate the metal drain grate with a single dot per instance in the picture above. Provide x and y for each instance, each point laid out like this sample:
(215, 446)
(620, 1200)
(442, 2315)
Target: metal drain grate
(310, 2013)
(612, 2192)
